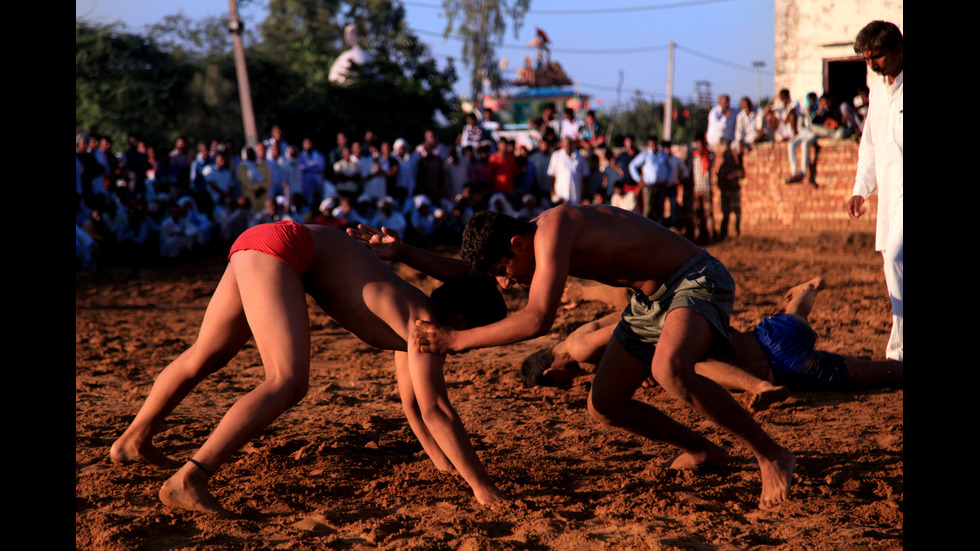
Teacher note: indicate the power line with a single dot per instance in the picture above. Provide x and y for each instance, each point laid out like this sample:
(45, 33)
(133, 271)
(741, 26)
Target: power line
(596, 11)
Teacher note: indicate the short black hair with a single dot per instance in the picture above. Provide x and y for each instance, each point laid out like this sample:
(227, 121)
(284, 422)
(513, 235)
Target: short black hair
(473, 296)
(486, 239)
(878, 35)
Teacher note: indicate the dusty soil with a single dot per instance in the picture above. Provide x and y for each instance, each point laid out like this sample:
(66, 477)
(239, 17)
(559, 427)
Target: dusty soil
(342, 470)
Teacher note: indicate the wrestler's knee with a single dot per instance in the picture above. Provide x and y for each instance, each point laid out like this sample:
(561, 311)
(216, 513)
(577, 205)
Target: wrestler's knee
(676, 379)
(604, 411)
(292, 389)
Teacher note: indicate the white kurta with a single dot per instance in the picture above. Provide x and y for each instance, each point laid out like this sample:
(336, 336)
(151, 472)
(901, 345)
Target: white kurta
(881, 169)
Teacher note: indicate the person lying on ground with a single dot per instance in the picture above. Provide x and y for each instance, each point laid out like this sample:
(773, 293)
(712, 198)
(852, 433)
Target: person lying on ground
(262, 294)
(678, 316)
(777, 356)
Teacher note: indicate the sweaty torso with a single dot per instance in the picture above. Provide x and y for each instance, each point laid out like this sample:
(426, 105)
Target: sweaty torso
(617, 247)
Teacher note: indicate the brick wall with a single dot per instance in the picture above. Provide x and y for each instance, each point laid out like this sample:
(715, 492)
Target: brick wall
(771, 205)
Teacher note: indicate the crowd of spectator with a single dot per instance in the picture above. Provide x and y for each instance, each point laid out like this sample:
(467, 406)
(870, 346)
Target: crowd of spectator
(141, 204)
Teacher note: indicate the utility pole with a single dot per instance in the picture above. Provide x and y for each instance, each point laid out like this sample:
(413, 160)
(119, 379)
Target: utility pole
(758, 82)
(235, 27)
(669, 102)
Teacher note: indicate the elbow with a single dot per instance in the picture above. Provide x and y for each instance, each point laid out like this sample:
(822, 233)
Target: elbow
(540, 325)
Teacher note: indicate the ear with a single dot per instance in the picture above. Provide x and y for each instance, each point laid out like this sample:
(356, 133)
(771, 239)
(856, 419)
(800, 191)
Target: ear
(519, 243)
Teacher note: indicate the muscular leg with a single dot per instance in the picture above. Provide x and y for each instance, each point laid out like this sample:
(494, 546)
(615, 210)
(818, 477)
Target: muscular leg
(685, 337)
(223, 333)
(611, 402)
(274, 304)
(762, 393)
(862, 372)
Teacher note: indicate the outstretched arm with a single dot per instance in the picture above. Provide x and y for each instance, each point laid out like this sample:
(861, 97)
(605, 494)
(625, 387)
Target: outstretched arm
(441, 428)
(387, 244)
(552, 253)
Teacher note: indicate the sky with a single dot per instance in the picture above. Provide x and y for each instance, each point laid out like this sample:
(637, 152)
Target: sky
(610, 49)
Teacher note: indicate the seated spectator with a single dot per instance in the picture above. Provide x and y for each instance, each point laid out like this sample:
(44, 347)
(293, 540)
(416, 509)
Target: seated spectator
(424, 222)
(388, 217)
(623, 198)
(326, 216)
(827, 120)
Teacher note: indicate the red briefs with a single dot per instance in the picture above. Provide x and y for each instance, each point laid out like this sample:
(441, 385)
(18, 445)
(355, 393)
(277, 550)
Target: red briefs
(288, 241)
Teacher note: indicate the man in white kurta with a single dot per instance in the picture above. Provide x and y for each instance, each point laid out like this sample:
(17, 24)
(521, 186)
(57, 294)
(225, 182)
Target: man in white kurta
(568, 168)
(881, 161)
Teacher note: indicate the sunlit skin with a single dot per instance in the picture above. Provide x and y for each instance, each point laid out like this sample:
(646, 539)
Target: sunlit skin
(622, 249)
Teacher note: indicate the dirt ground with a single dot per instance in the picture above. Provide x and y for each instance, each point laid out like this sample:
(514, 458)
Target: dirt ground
(342, 470)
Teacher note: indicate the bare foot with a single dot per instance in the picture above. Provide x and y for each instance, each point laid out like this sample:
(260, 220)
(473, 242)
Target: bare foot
(716, 457)
(777, 478)
(490, 495)
(762, 400)
(815, 285)
(124, 452)
(188, 490)
(572, 295)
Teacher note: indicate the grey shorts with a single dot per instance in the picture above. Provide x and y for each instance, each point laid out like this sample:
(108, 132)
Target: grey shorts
(704, 285)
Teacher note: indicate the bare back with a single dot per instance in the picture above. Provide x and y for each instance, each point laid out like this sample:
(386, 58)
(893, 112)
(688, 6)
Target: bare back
(359, 291)
(614, 246)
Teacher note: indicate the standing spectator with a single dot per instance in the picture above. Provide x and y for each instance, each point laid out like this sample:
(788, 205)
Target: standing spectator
(254, 177)
(623, 160)
(91, 173)
(589, 134)
(726, 173)
(336, 154)
(311, 165)
(430, 176)
(407, 170)
(721, 122)
(374, 183)
(570, 126)
(180, 163)
(275, 138)
(702, 160)
(649, 168)
(677, 173)
(201, 160)
(472, 133)
(881, 162)
(569, 169)
(611, 173)
(502, 168)
(292, 174)
(347, 175)
(217, 176)
(539, 183)
(134, 165)
(458, 172)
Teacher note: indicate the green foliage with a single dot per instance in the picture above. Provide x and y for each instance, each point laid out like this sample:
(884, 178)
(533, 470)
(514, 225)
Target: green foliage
(646, 118)
(482, 24)
(125, 83)
(179, 78)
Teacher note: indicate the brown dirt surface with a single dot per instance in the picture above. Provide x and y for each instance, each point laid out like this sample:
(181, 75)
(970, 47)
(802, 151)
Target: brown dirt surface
(342, 470)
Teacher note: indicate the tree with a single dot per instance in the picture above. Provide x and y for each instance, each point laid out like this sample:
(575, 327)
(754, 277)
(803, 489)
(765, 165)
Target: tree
(481, 24)
(125, 83)
(398, 93)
